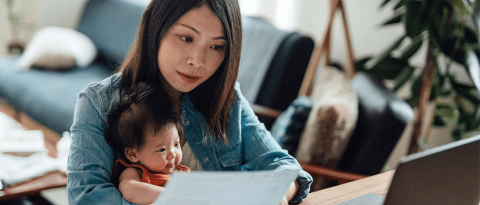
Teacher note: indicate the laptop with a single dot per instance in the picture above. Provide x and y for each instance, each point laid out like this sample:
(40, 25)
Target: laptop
(445, 175)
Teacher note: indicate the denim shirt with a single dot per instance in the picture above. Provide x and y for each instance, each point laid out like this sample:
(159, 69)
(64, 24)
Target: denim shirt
(90, 163)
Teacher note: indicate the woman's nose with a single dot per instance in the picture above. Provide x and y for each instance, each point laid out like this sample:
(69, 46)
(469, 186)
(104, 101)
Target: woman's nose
(197, 57)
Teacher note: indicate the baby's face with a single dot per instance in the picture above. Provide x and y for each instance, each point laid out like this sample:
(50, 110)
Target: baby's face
(161, 152)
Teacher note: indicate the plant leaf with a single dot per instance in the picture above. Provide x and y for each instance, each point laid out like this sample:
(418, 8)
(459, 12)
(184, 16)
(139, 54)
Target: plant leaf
(472, 95)
(445, 93)
(449, 114)
(413, 101)
(437, 86)
(459, 86)
(360, 64)
(413, 47)
(438, 121)
(386, 54)
(474, 68)
(407, 1)
(434, 37)
(400, 4)
(460, 56)
(413, 19)
(461, 7)
(394, 20)
(476, 8)
(415, 89)
(470, 35)
(475, 122)
(457, 134)
(385, 2)
(468, 92)
(403, 77)
(388, 68)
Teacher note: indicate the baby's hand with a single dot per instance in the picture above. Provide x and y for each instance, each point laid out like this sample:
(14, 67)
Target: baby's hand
(180, 171)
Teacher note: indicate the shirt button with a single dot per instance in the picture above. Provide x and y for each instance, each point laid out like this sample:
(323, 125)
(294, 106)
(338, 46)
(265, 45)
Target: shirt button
(187, 122)
(205, 159)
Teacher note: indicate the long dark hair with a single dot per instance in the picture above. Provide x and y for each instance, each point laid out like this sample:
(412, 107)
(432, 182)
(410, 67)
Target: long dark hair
(214, 97)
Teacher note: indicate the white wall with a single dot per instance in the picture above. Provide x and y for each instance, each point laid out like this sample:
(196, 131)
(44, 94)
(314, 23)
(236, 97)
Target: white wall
(310, 18)
(64, 13)
(36, 14)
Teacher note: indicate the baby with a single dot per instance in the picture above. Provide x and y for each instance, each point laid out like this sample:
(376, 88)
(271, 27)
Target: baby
(145, 131)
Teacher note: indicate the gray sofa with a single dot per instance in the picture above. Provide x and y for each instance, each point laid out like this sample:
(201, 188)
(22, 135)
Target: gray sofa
(50, 97)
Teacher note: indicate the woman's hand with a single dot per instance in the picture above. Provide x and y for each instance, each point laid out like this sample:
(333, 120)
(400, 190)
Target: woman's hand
(291, 192)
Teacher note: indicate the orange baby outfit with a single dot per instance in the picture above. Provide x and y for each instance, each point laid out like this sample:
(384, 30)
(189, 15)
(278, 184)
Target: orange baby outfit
(147, 177)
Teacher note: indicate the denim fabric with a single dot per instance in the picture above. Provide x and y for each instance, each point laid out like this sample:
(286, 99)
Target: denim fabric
(90, 163)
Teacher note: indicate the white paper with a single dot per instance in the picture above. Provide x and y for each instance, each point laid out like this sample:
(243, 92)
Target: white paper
(22, 142)
(15, 169)
(219, 188)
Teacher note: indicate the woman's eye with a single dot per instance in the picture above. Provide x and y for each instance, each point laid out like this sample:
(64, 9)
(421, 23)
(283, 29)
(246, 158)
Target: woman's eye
(177, 145)
(186, 38)
(161, 150)
(218, 47)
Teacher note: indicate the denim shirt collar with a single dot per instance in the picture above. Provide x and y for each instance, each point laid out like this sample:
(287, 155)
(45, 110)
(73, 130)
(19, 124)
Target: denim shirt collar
(187, 104)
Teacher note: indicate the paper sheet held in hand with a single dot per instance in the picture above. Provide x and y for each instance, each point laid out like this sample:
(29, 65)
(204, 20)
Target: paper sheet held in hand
(212, 188)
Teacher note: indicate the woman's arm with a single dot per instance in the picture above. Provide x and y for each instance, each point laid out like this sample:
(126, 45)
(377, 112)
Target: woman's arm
(90, 162)
(136, 191)
(262, 152)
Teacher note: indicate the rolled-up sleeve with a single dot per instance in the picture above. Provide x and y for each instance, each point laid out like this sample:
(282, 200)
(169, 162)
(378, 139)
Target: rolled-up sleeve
(90, 162)
(262, 152)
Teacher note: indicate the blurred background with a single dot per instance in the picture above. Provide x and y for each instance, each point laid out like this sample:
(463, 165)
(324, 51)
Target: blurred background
(379, 30)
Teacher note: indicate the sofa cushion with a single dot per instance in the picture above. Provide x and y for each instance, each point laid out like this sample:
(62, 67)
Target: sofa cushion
(112, 26)
(48, 97)
(330, 124)
(382, 118)
(58, 48)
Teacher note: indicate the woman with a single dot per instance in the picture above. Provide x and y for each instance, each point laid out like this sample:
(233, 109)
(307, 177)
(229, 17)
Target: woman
(192, 48)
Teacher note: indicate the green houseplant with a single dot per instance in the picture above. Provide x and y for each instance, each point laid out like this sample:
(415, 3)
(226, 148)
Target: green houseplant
(447, 28)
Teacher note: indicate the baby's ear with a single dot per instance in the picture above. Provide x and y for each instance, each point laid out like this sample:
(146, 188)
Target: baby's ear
(131, 154)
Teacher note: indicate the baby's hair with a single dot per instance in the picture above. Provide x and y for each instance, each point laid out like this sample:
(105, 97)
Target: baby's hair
(142, 110)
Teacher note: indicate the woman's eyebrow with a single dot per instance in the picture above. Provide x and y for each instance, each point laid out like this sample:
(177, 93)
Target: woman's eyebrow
(198, 32)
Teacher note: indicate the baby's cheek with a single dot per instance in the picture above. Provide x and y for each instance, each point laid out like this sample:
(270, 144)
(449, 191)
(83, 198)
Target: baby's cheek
(178, 158)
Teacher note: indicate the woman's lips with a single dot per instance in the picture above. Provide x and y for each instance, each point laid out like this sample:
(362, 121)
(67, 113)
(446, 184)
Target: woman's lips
(188, 78)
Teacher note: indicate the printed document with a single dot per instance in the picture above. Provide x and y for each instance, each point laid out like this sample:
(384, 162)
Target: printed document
(219, 188)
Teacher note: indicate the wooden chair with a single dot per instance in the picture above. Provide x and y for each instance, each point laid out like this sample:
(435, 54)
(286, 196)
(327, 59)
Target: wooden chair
(337, 175)
(379, 124)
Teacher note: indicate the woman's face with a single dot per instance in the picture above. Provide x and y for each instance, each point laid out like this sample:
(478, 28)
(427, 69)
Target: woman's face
(192, 49)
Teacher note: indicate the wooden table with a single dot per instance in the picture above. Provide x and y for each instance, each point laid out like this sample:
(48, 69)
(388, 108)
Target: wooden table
(377, 184)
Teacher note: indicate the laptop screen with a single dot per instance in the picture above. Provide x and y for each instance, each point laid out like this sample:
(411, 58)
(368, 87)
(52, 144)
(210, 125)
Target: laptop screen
(448, 174)
(445, 175)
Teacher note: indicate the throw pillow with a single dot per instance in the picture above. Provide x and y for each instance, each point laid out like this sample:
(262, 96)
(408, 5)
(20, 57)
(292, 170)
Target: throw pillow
(288, 127)
(57, 48)
(330, 123)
